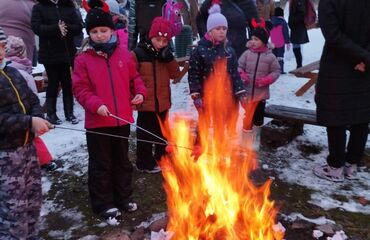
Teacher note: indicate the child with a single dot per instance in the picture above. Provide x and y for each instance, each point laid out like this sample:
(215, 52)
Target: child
(279, 36)
(213, 46)
(102, 79)
(20, 177)
(17, 54)
(157, 66)
(258, 69)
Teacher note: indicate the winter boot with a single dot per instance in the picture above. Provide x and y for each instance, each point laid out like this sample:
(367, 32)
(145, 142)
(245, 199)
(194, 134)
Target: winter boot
(350, 171)
(68, 109)
(298, 56)
(51, 115)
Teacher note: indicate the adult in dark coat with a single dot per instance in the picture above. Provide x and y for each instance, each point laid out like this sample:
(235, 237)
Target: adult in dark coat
(56, 23)
(298, 30)
(343, 86)
(238, 14)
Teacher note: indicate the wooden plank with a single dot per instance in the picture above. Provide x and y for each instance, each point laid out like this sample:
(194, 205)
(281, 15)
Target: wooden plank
(291, 114)
(306, 86)
(306, 69)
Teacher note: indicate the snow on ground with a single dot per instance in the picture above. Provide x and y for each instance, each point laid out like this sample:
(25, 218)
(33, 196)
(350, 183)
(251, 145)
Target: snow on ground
(296, 169)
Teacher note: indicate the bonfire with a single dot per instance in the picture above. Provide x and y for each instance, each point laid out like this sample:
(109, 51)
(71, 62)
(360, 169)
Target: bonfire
(211, 196)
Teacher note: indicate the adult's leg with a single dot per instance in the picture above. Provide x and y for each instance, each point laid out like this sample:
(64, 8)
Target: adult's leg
(66, 82)
(337, 146)
(298, 54)
(52, 71)
(357, 141)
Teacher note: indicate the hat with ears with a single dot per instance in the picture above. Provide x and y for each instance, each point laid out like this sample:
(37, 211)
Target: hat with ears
(260, 31)
(161, 27)
(3, 37)
(215, 18)
(97, 15)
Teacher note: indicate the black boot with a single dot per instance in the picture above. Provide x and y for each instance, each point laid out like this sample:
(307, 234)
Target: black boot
(68, 109)
(281, 63)
(51, 115)
(298, 56)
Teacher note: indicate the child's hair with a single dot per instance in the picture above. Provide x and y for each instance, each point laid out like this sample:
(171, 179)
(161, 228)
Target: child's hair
(279, 12)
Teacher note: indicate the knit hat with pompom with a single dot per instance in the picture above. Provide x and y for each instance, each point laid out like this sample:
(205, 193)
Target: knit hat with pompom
(215, 18)
(97, 15)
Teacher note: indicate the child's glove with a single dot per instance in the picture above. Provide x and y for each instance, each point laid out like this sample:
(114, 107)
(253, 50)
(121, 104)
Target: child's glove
(165, 55)
(244, 76)
(264, 81)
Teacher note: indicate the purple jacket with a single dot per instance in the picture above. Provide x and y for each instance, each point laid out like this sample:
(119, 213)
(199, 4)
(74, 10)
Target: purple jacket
(15, 19)
(262, 69)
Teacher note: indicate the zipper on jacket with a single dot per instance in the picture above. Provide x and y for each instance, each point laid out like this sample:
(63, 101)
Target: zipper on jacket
(254, 75)
(156, 102)
(19, 101)
(112, 87)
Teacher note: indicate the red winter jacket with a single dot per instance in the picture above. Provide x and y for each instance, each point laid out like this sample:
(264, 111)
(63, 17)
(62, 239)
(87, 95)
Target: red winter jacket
(112, 81)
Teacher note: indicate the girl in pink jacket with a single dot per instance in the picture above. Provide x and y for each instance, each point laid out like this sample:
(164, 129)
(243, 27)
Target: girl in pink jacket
(106, 83)
(258, 68)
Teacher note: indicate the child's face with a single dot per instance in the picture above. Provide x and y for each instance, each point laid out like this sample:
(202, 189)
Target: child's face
(159, 42)
(219, 33)
(2, 52)
(255, 42)
(101, 34)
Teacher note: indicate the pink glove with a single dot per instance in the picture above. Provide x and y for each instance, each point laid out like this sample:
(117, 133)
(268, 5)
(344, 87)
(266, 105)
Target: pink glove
(264, 81)
(244, 76)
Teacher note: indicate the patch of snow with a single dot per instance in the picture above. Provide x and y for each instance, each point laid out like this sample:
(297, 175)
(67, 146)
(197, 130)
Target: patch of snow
(317, 221)
(161, 235)
(317, 234)
(340, 235)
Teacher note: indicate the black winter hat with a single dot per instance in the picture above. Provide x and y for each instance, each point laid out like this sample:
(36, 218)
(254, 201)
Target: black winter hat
(279, 12)
(259, 30)
(97, 15)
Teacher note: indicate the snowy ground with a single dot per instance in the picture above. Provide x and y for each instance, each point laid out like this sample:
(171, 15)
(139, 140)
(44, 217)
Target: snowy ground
(296, 169)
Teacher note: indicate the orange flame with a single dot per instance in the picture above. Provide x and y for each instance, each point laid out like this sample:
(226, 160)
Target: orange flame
(213, 197)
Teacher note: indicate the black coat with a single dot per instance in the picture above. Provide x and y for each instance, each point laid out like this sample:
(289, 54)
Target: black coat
(201, 65)
(237, 21)
(298, 30)
(15, 125)
(342, 93)
(53, 48)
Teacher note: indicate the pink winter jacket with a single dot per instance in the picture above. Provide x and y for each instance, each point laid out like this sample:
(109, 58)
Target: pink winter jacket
(110, 81)
(266, 73)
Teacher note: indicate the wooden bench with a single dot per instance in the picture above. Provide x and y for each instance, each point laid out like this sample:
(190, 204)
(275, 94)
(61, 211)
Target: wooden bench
(307, 71)
(292, 114)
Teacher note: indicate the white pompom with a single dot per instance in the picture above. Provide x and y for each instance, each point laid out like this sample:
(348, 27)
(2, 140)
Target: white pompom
(215, 8)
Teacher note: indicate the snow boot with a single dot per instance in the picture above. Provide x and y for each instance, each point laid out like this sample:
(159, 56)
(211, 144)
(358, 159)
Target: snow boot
(68, 109)
(51, 115)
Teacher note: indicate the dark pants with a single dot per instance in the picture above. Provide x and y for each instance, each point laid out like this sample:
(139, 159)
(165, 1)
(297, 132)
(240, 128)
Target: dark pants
(337, 144)
(144, 151)
(297, 54)
(258, 117)
(110, 171)
(59, 74)
(20, 193)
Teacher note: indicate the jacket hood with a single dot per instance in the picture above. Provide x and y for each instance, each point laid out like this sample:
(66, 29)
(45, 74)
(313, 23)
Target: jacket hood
(277, 20)
(60, 2)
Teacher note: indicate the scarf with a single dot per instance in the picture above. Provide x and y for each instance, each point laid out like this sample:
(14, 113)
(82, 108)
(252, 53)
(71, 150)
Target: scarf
(107, 48)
